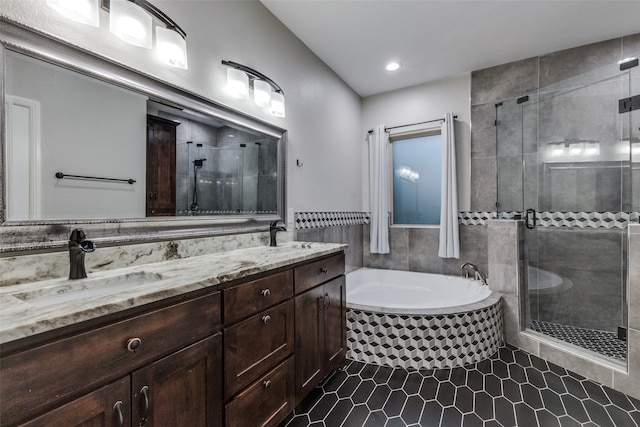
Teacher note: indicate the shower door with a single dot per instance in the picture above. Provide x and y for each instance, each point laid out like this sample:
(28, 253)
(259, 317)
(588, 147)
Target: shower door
(574, 149)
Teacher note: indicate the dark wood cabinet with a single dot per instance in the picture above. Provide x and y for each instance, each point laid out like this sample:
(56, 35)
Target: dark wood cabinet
(161, 166)
(183, 389)
(80, 379)
(108, 406)
(173, 366)
(265, 402)
(320, 334)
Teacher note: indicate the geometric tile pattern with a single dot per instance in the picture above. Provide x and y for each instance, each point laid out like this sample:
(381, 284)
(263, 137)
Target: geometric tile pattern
(305, 220)
(586, 219)
(511, 388)
(475, 218)
(424, 341)
(603, 342)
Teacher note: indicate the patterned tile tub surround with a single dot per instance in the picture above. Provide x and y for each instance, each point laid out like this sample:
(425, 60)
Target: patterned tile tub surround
(424, 341)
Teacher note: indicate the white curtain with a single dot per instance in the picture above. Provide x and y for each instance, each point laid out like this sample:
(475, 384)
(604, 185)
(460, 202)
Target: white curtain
(379, 190)
(449, 236)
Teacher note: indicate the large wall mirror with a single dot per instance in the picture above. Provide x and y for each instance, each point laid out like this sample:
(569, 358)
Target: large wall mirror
(88, 142)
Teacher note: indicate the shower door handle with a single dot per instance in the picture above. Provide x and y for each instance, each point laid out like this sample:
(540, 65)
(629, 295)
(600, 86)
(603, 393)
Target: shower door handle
(530, 219)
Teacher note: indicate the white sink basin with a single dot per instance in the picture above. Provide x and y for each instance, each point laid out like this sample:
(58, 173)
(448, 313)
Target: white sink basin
(87, 288)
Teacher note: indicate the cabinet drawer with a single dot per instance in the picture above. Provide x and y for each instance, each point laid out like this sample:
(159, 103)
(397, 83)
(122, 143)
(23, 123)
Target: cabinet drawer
(256, 344)
(250, 298)
(309, 275)
(63, 368)
(265, 402)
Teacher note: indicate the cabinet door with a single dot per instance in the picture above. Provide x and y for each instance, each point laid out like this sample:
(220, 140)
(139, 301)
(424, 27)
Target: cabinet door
(183, 389)
(106, 407)
(309, 341)
(161, 166)
(335, 323)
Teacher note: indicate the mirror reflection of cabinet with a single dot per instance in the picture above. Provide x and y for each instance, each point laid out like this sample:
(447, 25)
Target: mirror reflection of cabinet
(161, 166)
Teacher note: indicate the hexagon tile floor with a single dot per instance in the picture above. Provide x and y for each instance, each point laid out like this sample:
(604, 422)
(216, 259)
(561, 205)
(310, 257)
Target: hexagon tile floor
(512, 388)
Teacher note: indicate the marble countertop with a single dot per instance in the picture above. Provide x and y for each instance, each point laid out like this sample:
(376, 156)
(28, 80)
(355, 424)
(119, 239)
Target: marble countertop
(31, 308)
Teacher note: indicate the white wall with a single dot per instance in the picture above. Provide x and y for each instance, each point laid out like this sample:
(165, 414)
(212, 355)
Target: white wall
(323, 115)
(417, 104)
(98, 131)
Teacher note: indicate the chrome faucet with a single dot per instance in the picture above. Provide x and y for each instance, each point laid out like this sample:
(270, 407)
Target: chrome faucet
(476, 274)
(78, 246)
(273, 229)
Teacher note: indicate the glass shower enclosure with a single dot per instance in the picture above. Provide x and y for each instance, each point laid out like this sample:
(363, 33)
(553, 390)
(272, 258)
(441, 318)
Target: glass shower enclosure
(568, 164)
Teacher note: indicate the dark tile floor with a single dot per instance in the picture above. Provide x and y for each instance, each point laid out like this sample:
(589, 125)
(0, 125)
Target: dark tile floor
(512, 388)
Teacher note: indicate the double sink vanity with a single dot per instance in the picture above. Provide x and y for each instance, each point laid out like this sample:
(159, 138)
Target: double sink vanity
(235, 338)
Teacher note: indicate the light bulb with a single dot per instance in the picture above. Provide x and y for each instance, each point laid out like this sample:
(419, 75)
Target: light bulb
(277, 104)
(171, 47)
(261, 93)
(131, 23)
(82, 11)
(237, 83)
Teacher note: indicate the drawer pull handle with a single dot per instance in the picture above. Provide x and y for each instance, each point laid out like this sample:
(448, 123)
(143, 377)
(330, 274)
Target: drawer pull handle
(117, 408)
(324, 270)
(327, 302)
(266, 319)
(144, 391)
(266, 292)
(133, 344)
(266, 384)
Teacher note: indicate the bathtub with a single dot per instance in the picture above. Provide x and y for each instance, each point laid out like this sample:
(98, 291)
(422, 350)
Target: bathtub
(420, 320)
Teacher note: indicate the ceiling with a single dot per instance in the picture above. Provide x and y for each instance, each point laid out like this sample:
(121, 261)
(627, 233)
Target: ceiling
(433, 39)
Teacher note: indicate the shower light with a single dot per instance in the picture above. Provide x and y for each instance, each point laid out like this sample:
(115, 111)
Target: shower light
(558, 150)
(131, 23)
(82, 11)
(576, 148)
(266, 93)
(392, 66)
(592, 149)
(171, 47)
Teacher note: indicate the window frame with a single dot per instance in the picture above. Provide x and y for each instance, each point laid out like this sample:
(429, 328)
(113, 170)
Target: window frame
(398, 137)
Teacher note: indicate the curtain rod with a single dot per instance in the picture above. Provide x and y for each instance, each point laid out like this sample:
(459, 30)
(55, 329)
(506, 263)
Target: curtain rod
(386, 129)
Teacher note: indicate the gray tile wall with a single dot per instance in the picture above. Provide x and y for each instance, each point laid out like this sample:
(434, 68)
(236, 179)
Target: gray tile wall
(416, 249)
(351, 235)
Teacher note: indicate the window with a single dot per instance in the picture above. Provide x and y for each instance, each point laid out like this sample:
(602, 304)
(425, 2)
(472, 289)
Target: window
(416, 179)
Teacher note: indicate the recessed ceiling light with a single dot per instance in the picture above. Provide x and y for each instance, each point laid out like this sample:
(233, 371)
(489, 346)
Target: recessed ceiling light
(392, 66)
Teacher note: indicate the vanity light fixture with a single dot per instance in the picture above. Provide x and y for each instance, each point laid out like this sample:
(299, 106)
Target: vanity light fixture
(132, 21)
(82, 11)
(266, 93)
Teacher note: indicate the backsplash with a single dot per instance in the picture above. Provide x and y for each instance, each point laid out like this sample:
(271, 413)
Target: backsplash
(51, 265)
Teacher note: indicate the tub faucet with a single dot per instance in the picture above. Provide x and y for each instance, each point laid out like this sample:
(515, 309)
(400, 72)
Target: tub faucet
(465, 272)
(78, 246)
(476, 274)
(273, 229)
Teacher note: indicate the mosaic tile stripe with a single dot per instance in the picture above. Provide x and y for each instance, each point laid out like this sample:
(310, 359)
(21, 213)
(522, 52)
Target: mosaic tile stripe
(424, 342)
(305, 220)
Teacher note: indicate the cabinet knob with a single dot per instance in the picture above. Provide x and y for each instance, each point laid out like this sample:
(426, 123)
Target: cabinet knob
(266, 319)
(266, 384)
(266, 292)
(133, 344)
(324, 270)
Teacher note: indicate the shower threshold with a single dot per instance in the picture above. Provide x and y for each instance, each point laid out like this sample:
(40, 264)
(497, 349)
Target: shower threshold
(601, 342)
